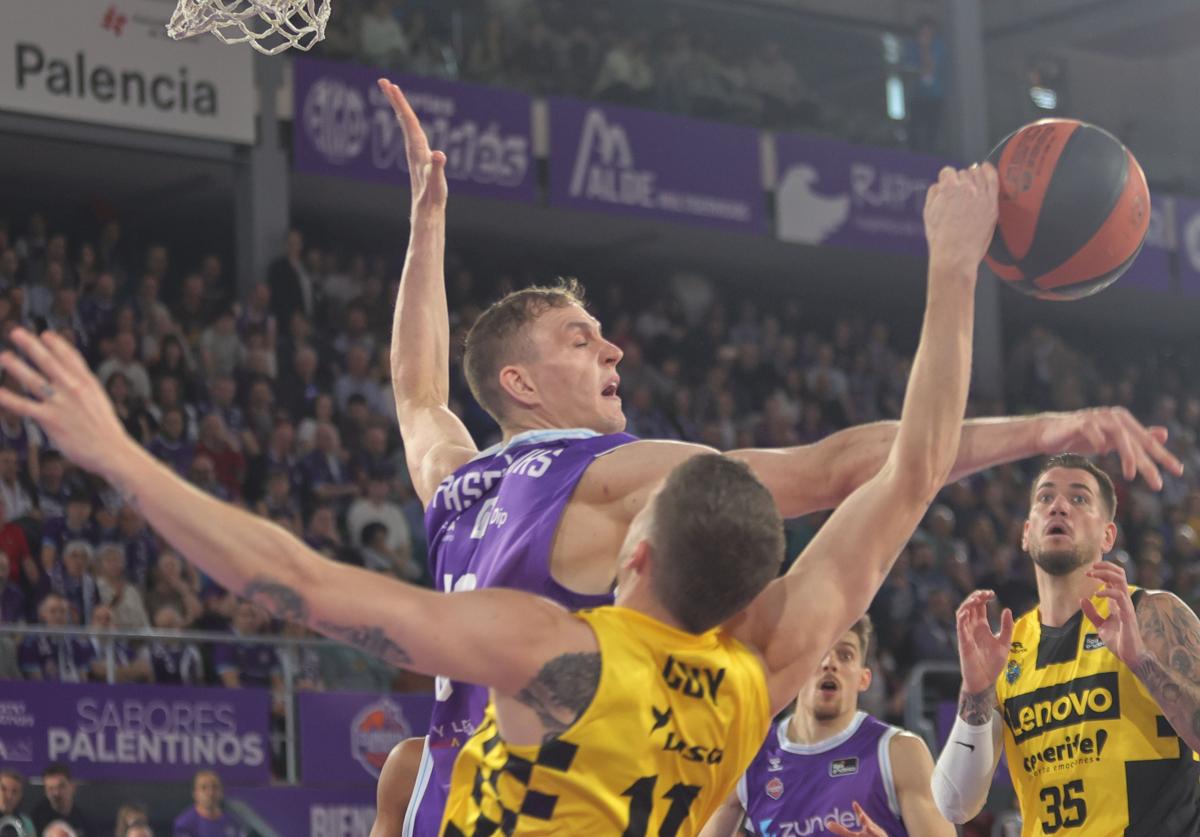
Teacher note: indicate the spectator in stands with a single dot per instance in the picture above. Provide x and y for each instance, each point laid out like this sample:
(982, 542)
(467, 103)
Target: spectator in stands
(71, 578)
(173, 662)
(12, 790)
(381, 38)
(59, 803)
(326, 472)
(12, 597)
(322, 534)
(379, 555)
(130, 816)
(357, 379)
(377, 507)
(171, 444)
(242, 665)
(76, 525)
(174, 584)
(625, 74)
(206, 818)
(22, 569)
(14, 493)
(291, 286)
(219, 446)
(280, 501)
(130, 662)
(115, 590)
(926, 60)
(124, 360)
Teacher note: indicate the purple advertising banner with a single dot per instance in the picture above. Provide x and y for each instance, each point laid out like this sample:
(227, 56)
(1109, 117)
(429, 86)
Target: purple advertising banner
(833, 193)
(1151, 270)
(345, 737)
(294, 812)
(343, 126)
(634, 162)
(136, 733)
(1187, 226)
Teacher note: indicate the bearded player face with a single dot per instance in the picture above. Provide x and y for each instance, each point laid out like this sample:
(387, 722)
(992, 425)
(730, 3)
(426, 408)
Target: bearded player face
(1068, 525)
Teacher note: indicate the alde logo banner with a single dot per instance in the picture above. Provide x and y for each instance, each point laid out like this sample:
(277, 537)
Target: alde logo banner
(345, 737)
(655, 165)
(110, 62)
(345, 127)
(138, 733)
(834, 193)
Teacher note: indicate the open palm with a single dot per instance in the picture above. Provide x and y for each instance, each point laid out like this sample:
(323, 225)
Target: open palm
(981, 652)
(426, 169)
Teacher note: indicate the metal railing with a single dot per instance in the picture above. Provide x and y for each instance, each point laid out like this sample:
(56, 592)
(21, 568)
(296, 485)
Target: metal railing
(208, 638)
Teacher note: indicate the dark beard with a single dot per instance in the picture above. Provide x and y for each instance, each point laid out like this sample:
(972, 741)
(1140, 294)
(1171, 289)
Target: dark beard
(1059, 561)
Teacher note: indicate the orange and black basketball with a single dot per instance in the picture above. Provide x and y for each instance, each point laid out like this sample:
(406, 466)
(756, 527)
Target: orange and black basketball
(1074, 209)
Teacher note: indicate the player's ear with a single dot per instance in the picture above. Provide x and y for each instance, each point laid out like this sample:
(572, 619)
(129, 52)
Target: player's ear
(1110, 538)
(864, 679)
(518, 385)
(639, 559)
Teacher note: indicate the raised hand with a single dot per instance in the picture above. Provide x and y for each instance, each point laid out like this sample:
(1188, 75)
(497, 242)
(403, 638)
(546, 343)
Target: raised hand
(869, 828)
(1119, 630)
(960, 216)
(426, 169)
(981, 652)
(65, 399)
(1103, 430)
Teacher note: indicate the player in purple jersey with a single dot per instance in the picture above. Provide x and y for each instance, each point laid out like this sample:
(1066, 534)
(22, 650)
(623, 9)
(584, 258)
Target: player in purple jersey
(826, 756)
(537, 362)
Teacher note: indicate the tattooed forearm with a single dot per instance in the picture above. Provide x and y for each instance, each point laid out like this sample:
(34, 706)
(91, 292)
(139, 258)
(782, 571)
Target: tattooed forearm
(976, 708)
(1170, 667)
(562, 690)
(371, 640)
(280, 600)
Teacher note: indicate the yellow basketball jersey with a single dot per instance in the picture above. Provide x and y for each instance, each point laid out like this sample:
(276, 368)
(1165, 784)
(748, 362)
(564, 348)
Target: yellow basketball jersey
(1088, 749)
(676, 719)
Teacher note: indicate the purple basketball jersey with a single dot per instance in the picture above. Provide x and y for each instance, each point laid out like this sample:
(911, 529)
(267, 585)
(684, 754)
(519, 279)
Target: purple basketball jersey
(790, 790)
(492, 524)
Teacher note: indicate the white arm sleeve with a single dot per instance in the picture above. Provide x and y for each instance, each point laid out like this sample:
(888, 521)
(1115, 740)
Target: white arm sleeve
(964, 769)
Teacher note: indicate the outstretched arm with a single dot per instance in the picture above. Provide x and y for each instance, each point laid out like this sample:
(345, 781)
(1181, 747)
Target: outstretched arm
(1159, 640)
(497, 638)
(845, 460)
(847, 561)
(435, 440)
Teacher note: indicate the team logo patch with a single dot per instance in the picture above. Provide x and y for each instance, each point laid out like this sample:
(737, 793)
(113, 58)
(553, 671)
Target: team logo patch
(1092, 641)
(775, 788)
(775, 764)
(843, 767)
(375, 730)
(1013, 671)
(1017, 648)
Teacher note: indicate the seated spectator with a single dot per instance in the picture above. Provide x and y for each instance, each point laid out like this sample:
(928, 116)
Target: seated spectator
(77, 525)
(358, 379)
(279, 501)
(380, 556)
(326, 471)
(935, 636)
(224, 403)
(98, 306)
(129, 818)
(124, 360)
(174, 662)
(12, 790)
(303, 661)
(174, 582)
(206, 818)
(323, 412)
(116, 592)
(59, 803)
(140, 544)
(301, 385)
(51, 485)
(322, 534)
(246, 665)
(219, 446)
(22, 569)
(171, 444)
(377, 507)
(60, 828)
(130, 663)
(221, 350)
(626, 75)
(203, 475)
(14, 492)
(24, 437)
(355, 334)
(12, 597)
(71, 578)
(132, 413)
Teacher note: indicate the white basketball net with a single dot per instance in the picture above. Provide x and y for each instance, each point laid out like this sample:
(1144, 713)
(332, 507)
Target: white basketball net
(270, 26)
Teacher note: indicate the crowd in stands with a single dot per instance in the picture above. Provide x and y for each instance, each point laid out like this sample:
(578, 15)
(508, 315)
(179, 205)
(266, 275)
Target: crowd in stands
(278, 399)
(671, 58)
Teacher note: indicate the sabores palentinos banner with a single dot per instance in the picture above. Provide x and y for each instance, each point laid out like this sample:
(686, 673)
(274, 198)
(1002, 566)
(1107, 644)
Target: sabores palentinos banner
(136, 733)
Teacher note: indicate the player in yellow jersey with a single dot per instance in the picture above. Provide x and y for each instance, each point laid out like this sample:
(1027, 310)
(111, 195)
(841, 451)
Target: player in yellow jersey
(1095, 694)
(626, 719)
